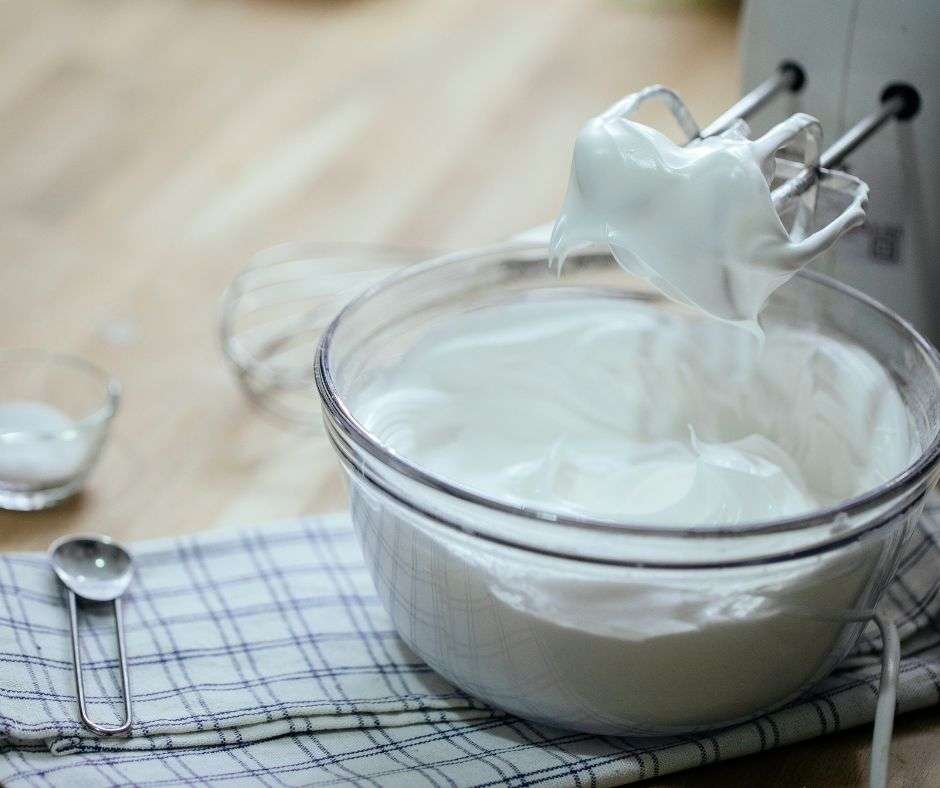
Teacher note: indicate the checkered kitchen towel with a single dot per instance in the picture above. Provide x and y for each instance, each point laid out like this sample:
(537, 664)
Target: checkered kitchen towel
(264, 657)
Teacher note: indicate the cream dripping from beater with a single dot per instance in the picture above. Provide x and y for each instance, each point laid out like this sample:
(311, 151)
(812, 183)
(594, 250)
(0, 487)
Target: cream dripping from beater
(697, 221)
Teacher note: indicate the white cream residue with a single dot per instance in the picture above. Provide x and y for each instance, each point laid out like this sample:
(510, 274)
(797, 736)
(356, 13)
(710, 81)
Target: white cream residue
(49, 458)
(697, 221)
(623, 410)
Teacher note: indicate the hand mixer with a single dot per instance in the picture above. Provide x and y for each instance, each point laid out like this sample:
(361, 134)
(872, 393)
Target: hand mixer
(851, 55)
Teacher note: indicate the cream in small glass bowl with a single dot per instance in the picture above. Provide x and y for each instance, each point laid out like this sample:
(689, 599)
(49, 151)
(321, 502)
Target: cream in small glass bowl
(55, 412)
(590, 622)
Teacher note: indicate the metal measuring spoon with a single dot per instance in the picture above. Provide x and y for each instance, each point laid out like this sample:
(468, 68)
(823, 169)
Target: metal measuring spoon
(97, 569)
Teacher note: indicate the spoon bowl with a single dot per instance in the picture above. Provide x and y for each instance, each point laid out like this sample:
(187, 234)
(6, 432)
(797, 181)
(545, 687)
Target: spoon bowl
(94, 567)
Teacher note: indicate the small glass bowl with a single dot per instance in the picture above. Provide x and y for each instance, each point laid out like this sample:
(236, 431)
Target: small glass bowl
(55, 411)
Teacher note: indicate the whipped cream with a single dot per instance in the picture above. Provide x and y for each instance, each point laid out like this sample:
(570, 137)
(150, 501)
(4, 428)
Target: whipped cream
(697, 221)
(624, 410)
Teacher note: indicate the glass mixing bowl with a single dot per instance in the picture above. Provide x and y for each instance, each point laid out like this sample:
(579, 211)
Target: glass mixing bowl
(605, 626)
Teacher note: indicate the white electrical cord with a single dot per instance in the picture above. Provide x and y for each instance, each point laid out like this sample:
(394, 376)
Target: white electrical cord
(887, 698)
(887, 692)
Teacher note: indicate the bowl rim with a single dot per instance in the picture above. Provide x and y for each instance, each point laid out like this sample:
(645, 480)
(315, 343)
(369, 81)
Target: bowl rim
(102, 413)
(336, 409)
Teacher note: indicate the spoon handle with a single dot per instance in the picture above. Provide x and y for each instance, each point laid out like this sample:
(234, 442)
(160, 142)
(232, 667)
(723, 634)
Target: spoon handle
(106, 730)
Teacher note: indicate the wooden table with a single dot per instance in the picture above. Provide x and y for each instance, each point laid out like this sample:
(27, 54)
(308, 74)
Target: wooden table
(148, 147)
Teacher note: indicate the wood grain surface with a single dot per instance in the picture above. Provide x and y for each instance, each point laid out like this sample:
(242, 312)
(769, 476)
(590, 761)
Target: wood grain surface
(149, 147)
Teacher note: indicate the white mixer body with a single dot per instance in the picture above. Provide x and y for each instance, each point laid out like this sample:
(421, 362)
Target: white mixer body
(850, 50)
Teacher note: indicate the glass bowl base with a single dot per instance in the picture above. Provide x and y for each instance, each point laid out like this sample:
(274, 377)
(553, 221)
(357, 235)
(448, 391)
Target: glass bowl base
(20, 500)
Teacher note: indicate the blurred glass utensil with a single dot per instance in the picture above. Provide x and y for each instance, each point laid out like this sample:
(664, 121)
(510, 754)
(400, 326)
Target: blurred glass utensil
(276, 308)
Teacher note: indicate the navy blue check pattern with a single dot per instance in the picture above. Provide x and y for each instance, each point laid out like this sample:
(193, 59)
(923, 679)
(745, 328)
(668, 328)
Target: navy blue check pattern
(264, 657)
